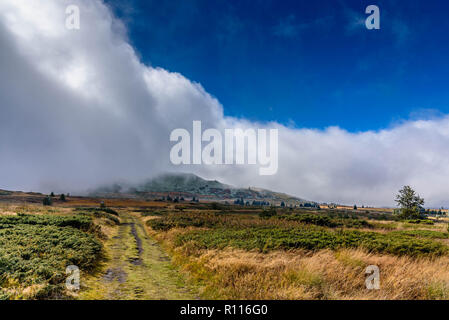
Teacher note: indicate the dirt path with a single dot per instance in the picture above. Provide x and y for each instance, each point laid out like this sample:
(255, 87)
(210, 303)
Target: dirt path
(136, 268)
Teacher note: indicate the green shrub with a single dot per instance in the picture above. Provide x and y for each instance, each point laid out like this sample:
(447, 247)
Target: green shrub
(101, 214)
(268, 213)
(47, 201)
(37, 250)
(78, 222)
(311, 238)
(151, 213)
(107, 210)
(420, 221)
(326, 221)
(430, 234)
(410, 214)
(181, 221)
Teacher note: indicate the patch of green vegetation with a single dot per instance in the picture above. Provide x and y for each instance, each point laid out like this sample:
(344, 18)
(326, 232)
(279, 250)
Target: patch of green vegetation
(78, 222)
(438, 291)
(422, 234)
(349, 260)
(182, 221)
(151, 213)
(326, 221)
(384, 226)
(100, 214)
(311, 238)
(420, 221)
(4, 295)
(345, 214)
(35, 250)
(93, 209)
(304, 277)
(204, 220)
(268, 213)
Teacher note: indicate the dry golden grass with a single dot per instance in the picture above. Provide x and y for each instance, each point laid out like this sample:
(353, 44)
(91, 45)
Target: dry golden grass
(13, 209)
(325, 274)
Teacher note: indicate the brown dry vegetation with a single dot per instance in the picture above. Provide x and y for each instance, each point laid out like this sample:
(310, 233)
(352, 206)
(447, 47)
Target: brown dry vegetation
(233, 273)
(240, 273)
(299, 274)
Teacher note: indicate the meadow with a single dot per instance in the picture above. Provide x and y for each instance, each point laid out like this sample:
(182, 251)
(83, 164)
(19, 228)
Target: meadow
(133, 249)
(306, 253)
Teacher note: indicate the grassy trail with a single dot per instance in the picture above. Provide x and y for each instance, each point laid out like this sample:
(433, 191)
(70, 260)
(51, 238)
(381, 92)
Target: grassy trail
(136, 268)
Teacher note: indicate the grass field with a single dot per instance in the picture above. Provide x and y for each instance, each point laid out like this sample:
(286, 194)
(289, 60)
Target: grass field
(135, 249)
(306, 254)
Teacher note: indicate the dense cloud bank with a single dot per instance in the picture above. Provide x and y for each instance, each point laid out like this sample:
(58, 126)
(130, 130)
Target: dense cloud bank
(78, 109)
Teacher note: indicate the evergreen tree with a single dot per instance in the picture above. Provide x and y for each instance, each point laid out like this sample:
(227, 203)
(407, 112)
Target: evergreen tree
(47, 201)
(409, 202)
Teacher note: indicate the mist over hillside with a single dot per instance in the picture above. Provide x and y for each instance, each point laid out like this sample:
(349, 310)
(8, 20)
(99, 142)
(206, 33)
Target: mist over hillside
(191, 185)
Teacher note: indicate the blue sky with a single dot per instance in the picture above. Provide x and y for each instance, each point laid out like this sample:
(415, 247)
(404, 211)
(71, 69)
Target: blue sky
(311, 64)
(304, 63)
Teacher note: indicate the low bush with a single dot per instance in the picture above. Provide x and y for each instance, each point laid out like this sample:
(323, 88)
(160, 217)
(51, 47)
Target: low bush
(268, 213)
(420, 221)
(78, 222)
(311, 238)
(430, 234)
(326, 221)
(107, 210)
(181, 221)
(151, 213)
(100, 214)
(35, 250)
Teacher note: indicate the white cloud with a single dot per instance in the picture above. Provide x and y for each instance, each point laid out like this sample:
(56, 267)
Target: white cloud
(79, 109)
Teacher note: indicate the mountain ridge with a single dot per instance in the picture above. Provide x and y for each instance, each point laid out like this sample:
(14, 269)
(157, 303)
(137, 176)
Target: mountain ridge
(190, 185)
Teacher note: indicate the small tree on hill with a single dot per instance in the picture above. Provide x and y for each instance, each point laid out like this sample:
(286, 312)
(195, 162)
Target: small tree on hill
(62, 197)
(47, 201)
(409, 202)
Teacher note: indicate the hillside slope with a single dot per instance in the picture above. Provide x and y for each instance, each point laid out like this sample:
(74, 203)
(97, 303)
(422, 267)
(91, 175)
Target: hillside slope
(190, 185)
